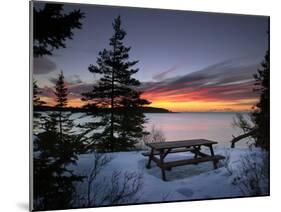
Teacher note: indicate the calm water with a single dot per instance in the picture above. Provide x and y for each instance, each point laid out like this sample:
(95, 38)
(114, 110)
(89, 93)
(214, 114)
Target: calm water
(182, 126)
(213, 126)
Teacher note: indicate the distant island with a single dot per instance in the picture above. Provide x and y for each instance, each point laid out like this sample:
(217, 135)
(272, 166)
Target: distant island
(81, 109)
(155, 110)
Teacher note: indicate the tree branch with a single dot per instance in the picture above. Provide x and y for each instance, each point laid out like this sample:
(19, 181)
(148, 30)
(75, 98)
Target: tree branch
(240, 137)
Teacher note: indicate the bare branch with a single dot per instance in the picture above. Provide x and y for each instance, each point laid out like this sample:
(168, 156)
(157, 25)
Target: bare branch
(125, 190)
(240, 137)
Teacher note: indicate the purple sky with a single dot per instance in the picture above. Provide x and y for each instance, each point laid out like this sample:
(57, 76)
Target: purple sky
(168, 44)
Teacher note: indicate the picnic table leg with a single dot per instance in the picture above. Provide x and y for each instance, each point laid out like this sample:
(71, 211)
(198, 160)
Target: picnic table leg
(212, 154)
(161, 165)
(196, 150)
(164, 155)
(148, 165)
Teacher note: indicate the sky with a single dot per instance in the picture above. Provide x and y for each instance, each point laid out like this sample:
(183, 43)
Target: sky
(188, 61)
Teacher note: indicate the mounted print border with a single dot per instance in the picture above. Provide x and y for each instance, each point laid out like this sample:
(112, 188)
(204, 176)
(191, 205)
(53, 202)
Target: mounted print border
(136, 106)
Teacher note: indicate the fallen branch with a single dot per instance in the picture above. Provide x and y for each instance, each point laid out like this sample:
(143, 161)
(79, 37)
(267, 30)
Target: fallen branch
(240, 137)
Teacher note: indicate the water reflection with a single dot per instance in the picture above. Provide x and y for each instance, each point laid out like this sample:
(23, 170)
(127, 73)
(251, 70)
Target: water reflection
(182, 126)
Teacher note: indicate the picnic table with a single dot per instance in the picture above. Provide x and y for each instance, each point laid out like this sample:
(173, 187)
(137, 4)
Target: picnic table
(194, 146)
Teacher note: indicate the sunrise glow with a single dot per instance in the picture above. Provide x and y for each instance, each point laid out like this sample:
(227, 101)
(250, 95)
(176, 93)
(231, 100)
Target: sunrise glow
(201, 106)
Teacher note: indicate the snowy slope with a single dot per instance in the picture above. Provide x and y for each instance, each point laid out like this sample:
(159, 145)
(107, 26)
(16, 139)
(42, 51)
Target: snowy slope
(184, 183)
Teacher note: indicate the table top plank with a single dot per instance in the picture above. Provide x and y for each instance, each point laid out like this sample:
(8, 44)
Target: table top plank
(179, 144)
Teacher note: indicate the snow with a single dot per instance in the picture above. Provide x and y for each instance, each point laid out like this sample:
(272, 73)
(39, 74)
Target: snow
(188, 182)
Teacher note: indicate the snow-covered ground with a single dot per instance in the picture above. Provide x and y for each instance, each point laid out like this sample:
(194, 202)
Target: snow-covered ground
(188, 182)
(184, 183)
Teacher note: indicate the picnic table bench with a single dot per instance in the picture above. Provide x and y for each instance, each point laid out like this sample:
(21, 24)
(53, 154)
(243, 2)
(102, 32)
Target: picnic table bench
(194, 146)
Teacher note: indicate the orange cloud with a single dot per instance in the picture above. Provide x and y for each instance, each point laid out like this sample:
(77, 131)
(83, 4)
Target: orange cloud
(236, 97)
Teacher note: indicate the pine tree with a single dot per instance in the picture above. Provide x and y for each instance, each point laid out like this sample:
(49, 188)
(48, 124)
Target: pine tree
(36, 99)
(52, 27)
(61, 99)
(132, 120)
(56, 147)
(53, 182)
(37, 102)
(114, 94)
(61, 91)
(261, 114)
(259, 128)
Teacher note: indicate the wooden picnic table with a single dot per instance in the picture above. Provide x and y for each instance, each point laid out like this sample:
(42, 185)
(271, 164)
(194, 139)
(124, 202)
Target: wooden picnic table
(194, 146)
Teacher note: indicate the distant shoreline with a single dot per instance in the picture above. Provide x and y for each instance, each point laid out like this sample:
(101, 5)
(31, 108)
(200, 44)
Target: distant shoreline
(143, 109)
(77, 110)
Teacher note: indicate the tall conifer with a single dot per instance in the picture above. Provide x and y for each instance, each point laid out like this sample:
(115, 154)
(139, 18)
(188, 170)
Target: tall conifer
(115, 93)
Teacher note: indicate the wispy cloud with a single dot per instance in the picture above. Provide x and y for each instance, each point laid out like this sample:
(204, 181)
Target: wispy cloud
(164, 74)
(69, 80)
(230, 80)
(43, 65)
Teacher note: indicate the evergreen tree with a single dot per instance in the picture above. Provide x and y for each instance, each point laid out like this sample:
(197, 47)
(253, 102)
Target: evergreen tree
(55, 148)
(37, 102)
(53, 181)
(61, 91)
(36, 99)
(61, 99)
(115, 95)
(259, 128)
(132, 120)
(261, 114)
(52, 27)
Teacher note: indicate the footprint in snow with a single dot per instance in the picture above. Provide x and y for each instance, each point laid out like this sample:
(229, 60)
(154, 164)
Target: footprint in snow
(186, 192)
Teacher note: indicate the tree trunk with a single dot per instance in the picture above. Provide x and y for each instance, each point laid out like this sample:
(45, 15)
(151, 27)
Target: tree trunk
(112, 109)
(112, 100)
(60, 125)
(112, 103)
